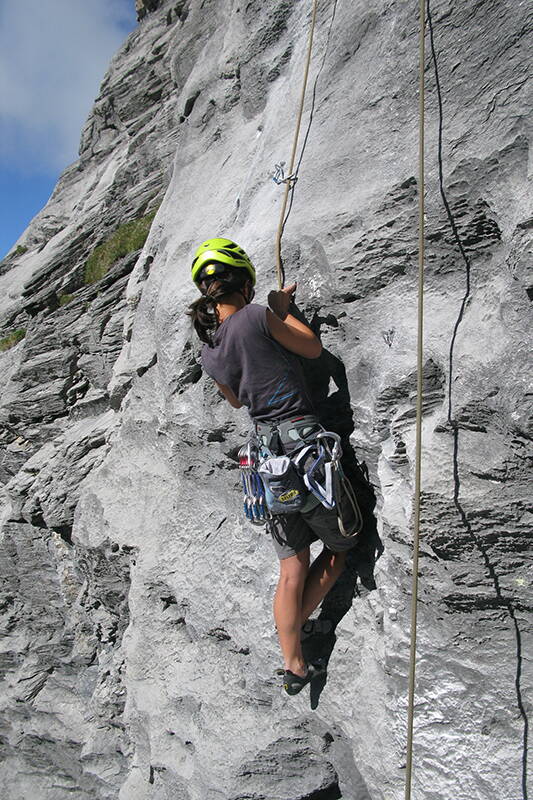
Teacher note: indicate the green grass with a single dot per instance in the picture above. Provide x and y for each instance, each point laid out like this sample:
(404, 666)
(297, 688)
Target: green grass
(64, 299)
(127, 238)
(20, 250)
(12, 339)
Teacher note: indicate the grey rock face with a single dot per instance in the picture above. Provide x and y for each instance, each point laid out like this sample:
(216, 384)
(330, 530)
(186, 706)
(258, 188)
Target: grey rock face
(144, 7)
(138, 650)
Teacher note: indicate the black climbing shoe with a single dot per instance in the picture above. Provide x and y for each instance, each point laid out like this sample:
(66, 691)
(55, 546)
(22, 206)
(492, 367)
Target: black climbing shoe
(295, 683)
(316, 627)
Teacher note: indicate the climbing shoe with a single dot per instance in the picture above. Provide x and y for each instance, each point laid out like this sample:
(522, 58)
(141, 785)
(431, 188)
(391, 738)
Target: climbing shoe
(293, 684)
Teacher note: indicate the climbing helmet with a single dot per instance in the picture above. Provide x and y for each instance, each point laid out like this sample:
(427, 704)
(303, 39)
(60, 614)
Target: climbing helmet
(219, 251)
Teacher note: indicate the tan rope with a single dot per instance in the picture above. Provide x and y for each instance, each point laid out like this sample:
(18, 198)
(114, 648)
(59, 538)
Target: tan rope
(279, 263)
(419, 399)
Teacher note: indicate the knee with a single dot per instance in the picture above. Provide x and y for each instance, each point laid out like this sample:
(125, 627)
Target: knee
(291, 581)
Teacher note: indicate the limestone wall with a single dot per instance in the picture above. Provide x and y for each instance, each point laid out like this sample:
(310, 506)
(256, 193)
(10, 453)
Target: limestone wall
(139, 652)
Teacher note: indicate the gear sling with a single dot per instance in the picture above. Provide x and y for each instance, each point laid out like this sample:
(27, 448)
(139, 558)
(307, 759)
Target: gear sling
(292, 466)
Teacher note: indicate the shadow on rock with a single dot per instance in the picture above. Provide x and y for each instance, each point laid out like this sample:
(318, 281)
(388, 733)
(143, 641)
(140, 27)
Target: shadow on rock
(335, 414)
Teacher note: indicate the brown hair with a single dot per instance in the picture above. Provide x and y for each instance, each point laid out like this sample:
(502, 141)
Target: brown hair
(203, 311)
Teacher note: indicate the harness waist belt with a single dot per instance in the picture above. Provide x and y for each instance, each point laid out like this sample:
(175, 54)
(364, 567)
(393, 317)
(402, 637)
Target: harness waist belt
(288, 435)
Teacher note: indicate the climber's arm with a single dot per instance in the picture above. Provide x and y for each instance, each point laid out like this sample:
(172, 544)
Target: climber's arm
(286, 329)
(230, 396)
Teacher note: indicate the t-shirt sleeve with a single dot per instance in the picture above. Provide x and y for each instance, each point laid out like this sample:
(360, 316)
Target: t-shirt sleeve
(257, 316)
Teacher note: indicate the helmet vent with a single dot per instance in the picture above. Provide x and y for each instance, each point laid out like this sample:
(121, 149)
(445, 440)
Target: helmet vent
(222, 251)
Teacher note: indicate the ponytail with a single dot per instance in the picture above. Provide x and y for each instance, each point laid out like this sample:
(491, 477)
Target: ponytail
(204, 318)
(203, 312)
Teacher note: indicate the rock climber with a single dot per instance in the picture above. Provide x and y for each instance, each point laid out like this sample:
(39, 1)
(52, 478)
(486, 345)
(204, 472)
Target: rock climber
(252, 352)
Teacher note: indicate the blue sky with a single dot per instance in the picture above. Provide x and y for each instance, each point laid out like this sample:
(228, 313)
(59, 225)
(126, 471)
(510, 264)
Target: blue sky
(53, 56)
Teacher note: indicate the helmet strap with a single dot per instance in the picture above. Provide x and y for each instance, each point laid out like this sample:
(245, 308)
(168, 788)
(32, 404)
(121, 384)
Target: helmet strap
(248, 292)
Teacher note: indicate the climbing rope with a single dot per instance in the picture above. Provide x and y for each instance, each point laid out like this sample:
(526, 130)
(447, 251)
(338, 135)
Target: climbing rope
(502, 600)
(294, 177)
(419, 399)
(290, 180)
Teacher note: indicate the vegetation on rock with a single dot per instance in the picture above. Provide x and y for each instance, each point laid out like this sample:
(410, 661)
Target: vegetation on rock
(128, 237)
(12, 339)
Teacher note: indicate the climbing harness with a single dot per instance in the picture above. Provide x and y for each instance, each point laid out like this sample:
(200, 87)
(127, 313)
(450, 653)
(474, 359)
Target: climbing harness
(307, 472)
(419, 401)
(290, 182)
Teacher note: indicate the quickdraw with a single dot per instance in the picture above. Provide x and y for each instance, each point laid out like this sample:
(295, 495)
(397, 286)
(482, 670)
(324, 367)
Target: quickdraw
(254, 506)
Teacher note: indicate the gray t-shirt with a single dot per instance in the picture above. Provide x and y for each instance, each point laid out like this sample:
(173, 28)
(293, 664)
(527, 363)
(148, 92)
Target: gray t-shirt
(264, 376)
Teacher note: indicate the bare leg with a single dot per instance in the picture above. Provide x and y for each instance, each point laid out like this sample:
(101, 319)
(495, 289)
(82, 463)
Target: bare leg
(324, 571)
(293, 572)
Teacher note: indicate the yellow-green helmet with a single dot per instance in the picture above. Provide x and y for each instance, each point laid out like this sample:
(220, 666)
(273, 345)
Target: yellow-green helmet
(220, 251)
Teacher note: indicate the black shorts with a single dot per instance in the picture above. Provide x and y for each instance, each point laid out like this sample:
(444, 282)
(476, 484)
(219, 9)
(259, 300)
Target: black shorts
(292, 533)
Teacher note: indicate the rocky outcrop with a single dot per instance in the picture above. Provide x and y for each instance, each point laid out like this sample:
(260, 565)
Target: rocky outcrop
(138, 654)
(144, 7)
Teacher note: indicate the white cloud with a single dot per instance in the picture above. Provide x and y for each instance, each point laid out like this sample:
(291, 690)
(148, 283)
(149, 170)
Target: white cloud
(53, 57)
